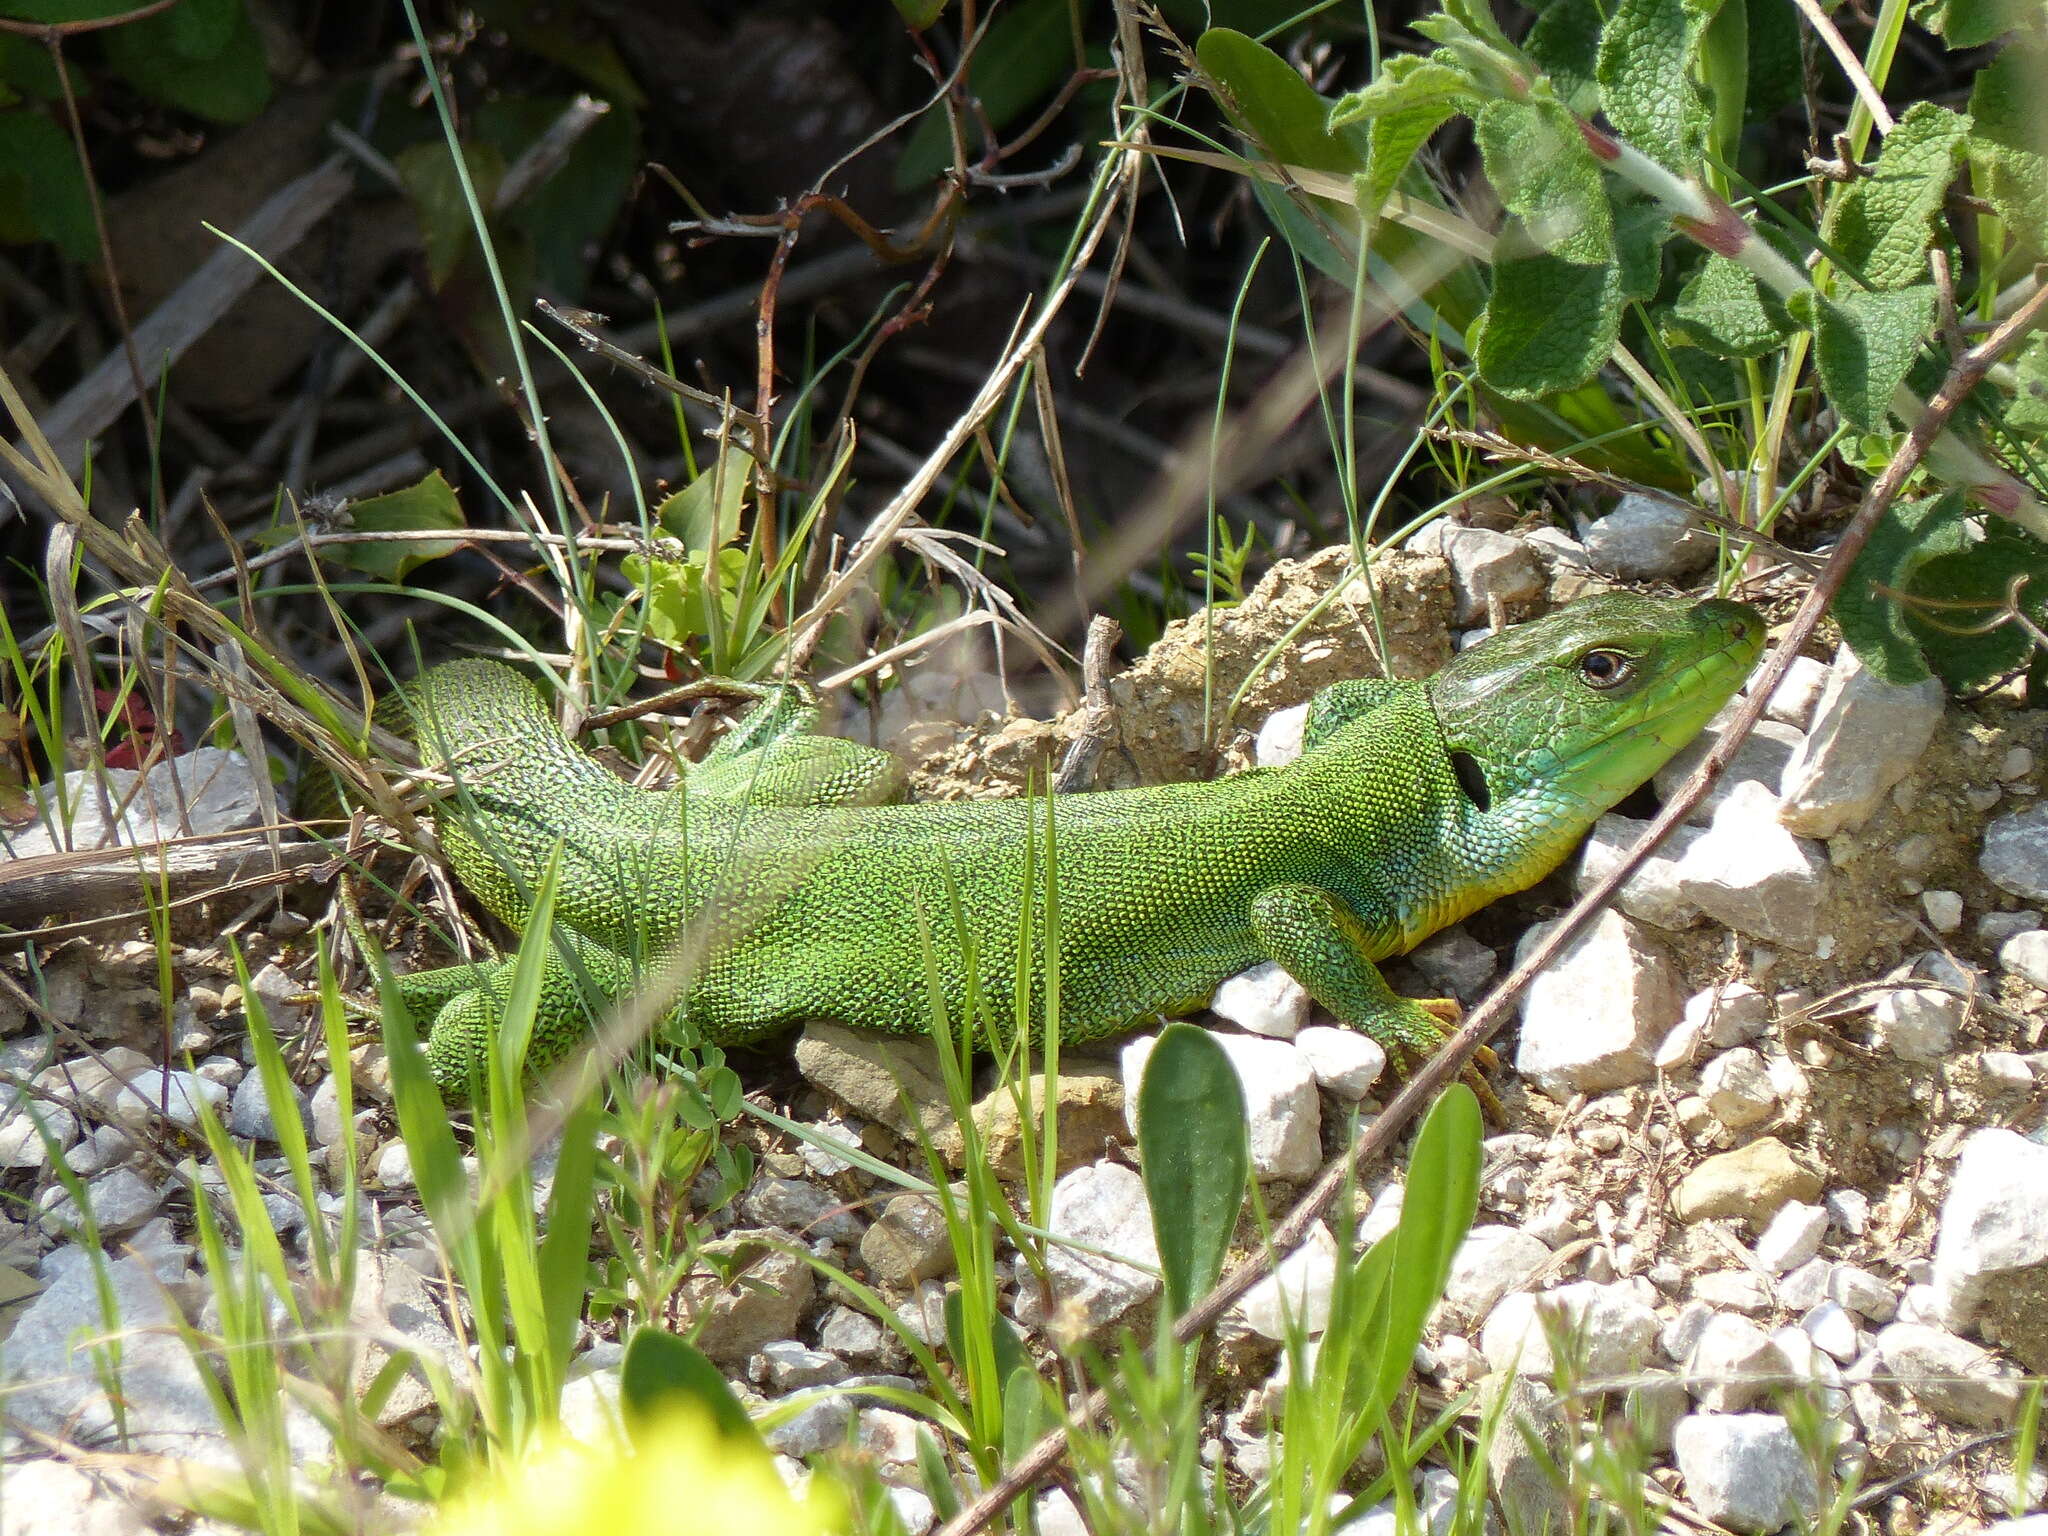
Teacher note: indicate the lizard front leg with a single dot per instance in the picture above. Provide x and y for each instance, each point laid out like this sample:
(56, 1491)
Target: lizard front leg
(466, 1007)
(1319, 940)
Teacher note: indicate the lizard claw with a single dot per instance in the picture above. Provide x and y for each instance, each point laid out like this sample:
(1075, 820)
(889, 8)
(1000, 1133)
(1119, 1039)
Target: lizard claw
(1449, 1014)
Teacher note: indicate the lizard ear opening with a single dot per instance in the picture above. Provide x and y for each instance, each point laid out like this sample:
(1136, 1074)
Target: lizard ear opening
(1471, 780)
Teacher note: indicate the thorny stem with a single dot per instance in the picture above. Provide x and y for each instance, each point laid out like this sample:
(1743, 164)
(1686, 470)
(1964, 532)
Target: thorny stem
(1964, 375)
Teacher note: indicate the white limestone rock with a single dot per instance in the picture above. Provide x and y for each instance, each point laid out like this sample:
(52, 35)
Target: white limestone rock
(1648, 538)
(1745, 1471)
(1748, 872)
(1866, 736)
(1484, 565)
(1766, 752)
(1733, 1364)
(1918, 1023)
(1346, 1062)
(1280, 737)
(1102, 1204)
(1613, 1327)
(1991, 1252)
(1265, 1000)
(1297, 1292)
(1593, 1018)
(1651, 893)
(2015, 856)
(1956, 1381)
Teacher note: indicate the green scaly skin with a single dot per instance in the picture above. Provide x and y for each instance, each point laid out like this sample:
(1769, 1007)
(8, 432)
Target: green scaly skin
(774, 889)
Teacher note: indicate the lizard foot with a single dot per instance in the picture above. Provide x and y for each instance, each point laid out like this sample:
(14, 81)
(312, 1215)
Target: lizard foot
(1447, 1014)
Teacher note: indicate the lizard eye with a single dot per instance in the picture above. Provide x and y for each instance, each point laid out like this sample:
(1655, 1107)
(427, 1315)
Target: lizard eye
(1605, 669)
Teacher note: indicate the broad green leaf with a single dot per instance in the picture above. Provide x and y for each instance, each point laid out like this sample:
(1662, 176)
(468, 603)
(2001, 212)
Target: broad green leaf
(565, 216)
(706, 512)
(1863, 344)
(563, 1264)
(431, 182)
(679, 604)
(563, 34)
(202, 29)
(1881, 224)
(1962, 638)
(661, 1372)
(2008, 147)
(1549, 324)
(426, 504)
(1193, 1150)
(1405, 82)
(1545, 173)
(1024, 1412)
(1565, 41)
(919, 14)
(1393, 142)
(1440, 1199)
(1777, 73)
(1025, 53)
(1274, 106)
(1477, 18)
(1909, 533)
(1648, 52)
(1722, 310)
(210, 64)
(1973, 23)
(42, 193)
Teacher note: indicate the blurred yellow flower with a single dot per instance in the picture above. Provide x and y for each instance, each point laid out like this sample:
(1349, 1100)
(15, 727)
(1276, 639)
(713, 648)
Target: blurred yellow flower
(679, 1476)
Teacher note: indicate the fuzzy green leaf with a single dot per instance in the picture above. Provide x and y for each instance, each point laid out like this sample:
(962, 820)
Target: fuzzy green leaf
(1647, 54)
(424, 505)
(1549, 324)
(2009, 147)
(1722, 311)
(1545, 173)
(1863, 343)
(1882, 223)
(1408, 81)
(1477, 18)
(1973, 23)
(1908, 533)
(1565, 42)
(1642, 225)
(707, 510)
(1192, 1147)
(2027, 415)
(1969, 646)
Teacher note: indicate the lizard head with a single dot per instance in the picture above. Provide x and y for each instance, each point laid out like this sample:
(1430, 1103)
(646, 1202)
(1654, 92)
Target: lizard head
(1557, 720)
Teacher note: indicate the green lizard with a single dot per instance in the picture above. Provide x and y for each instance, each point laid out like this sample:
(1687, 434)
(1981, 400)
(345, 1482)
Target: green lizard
(770, 890)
